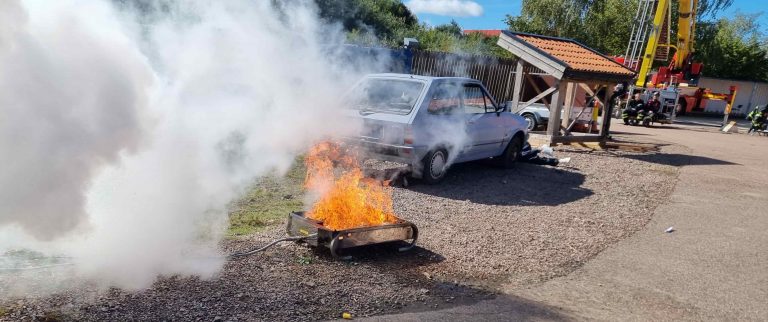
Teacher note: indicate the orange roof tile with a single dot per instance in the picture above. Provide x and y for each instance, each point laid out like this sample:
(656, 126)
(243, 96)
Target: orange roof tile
(484, 32)
(577, 56)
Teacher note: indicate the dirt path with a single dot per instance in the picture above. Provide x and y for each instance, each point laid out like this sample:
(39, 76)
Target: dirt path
(714, 266)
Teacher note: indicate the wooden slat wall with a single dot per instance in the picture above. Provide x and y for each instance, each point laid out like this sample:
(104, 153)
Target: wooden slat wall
(496, 73)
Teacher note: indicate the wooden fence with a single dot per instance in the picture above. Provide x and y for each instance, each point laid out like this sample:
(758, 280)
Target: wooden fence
(496, 73)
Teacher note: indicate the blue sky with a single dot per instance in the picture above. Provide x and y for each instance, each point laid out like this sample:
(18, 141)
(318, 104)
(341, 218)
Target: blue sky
(494, 11)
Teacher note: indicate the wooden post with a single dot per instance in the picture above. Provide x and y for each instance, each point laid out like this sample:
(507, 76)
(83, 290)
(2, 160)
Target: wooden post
(605, 124)
(518, 86)
(570, 94)
(553, 127)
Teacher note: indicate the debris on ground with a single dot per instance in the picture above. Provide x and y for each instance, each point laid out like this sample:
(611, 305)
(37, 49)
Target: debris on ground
(543, 155)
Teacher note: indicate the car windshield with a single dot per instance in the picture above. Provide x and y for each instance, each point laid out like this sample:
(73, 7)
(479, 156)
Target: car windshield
(392, 96)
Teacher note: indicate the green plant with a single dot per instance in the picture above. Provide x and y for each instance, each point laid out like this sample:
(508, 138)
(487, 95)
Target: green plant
(304, 260)
(268, 202)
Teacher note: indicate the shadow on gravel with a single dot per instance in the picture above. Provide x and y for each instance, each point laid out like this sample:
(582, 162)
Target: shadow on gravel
(501, 308)
(628, 133)
(292, 283)
(677, 160)
(385, 254)
(524, 185)
(445, 299)
(690, 127)
(671, 159)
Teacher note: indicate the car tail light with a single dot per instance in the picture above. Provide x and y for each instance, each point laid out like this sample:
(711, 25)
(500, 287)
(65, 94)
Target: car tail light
(408, 135)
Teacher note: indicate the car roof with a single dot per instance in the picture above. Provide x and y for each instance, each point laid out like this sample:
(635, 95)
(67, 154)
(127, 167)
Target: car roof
(419, 77)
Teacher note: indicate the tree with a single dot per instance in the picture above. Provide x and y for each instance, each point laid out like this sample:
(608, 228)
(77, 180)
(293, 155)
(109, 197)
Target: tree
(387, 22)
(600, 24)
(733, 48)
(604, 25)
(559, 18)
(384, 18)
(607, 26)
(452, 28)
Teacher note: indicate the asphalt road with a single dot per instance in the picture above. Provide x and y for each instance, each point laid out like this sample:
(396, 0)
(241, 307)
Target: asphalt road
(714, 266)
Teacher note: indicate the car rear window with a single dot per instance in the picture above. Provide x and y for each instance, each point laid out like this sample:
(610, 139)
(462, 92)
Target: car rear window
(391, 96)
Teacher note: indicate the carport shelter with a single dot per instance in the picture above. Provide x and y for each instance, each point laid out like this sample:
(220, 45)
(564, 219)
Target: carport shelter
(571, 64)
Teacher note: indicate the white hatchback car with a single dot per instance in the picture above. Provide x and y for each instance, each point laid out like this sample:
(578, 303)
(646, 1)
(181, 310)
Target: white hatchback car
(430, 123)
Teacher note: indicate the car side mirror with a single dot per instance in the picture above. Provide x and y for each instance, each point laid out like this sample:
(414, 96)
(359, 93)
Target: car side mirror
(501, 108)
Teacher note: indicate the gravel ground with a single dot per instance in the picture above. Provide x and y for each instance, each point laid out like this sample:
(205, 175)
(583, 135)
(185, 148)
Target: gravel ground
(481, 230)
(533, 223)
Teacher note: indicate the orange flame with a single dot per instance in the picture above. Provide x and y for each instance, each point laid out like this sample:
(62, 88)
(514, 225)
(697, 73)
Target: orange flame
(348, 200)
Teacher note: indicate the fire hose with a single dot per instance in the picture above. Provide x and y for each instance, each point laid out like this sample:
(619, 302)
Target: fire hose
(256, 250)
(232, 256)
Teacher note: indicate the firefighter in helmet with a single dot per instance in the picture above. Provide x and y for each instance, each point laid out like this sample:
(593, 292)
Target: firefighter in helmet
(758, 117)
(634, 105)
(652, 108)
(654, 105)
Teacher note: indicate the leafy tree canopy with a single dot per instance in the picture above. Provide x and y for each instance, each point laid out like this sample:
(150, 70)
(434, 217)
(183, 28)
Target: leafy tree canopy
(733, 48)
(387, 22)
(383, 18)
(729, 48)
(601, 24)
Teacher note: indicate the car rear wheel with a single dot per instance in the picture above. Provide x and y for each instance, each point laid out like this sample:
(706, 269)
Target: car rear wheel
(512, 152)
(531, 121)
(435, 166)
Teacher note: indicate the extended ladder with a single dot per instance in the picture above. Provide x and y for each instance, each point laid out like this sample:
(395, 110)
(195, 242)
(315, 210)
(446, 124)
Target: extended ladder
(643, 28)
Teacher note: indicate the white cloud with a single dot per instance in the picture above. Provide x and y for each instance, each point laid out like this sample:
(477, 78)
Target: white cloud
(458, 8)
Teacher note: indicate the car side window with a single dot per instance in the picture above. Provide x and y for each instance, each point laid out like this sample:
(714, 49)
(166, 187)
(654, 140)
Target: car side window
(446, 99)
(476, 101)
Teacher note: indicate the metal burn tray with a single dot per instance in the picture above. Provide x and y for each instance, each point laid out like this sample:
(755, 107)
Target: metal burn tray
(338, 240)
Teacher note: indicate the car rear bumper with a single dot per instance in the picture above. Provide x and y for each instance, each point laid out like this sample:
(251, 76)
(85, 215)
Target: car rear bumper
(409, 155)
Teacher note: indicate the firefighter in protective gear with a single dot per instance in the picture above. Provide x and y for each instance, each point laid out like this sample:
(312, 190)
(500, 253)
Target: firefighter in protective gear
(654, 105)
(757, 116)
(650, 111)
(633, 106)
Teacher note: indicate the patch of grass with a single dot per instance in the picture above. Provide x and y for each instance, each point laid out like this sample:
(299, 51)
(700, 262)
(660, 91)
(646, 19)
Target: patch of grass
(304, 260)
(4, 311)
(268, 202)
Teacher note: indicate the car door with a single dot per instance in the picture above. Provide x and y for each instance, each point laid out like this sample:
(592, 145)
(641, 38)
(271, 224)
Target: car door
(484, 126)
(443, 123)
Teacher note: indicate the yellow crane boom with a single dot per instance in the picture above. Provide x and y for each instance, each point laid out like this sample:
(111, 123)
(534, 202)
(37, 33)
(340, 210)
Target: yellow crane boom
(686, 27)
(661, 12)
(649, 41)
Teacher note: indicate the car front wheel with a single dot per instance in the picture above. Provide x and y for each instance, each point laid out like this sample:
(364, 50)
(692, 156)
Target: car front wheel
(512, 152)
(531, 121)
(435, 166)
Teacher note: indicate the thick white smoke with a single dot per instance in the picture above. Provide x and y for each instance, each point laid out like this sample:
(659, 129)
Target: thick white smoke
(124, 135)
(73, 92)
